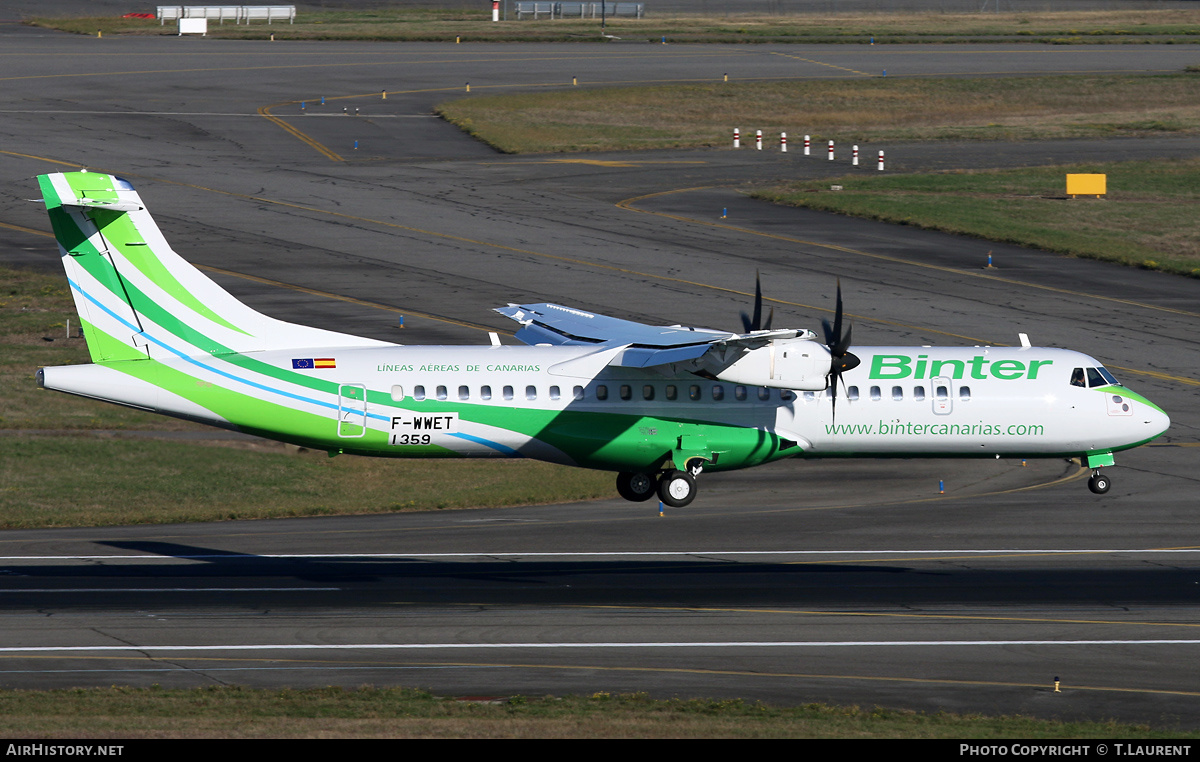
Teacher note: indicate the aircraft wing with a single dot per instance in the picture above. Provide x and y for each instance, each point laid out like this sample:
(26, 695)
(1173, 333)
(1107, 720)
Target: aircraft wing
(646, 345)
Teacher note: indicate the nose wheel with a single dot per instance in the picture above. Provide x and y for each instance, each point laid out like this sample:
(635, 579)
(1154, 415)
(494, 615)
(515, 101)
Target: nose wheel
(1099, 483)
(677, 488)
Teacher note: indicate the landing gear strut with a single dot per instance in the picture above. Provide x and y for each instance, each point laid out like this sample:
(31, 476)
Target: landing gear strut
(1099, 483)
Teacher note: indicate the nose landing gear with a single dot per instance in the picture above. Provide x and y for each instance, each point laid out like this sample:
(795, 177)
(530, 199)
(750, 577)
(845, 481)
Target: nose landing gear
(1099, 483)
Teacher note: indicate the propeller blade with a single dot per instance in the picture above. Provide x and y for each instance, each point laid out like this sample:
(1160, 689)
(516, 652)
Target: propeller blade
(755, 323)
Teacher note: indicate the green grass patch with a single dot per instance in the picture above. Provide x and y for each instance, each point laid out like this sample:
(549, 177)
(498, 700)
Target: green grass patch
(367, 712)
(856, 110)
(36, 310)
(475, 25)
(1147, 219)
(83, 481)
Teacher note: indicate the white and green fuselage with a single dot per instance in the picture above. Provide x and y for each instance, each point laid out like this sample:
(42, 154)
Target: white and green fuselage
(166, 338)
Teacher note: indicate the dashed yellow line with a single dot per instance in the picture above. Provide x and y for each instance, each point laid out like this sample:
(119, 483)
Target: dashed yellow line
(265, 112)
(822, 63)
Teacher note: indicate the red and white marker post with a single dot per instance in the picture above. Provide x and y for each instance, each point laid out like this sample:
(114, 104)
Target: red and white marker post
(831, 150)
(881, 161)
(783, 142)
(758, 140)
(737, 138)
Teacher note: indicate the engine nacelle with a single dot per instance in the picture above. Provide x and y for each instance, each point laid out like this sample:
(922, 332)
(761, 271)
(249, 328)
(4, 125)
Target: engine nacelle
(799, 364)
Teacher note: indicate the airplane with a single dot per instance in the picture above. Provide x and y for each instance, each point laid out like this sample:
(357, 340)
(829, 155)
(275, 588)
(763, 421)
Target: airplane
(658, 405)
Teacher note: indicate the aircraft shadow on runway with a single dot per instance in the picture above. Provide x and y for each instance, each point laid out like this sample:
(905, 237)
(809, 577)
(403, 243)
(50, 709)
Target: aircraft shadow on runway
(364, 581)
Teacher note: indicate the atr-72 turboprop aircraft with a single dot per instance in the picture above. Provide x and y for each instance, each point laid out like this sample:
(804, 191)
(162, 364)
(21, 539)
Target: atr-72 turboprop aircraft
(656, 404)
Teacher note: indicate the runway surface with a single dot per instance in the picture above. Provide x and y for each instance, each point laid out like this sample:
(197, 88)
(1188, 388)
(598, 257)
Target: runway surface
(849, 581)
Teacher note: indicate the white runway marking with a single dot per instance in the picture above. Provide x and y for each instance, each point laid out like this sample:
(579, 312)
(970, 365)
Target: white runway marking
(552, 646)
(612, 554)
(170, 590)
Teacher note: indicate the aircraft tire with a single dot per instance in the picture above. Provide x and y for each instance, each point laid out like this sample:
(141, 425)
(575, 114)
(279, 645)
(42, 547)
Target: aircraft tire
(1099, 483)
(636, 486)
(677, 488)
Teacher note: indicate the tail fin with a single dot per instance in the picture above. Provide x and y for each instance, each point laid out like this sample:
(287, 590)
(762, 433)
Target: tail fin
(137, 298)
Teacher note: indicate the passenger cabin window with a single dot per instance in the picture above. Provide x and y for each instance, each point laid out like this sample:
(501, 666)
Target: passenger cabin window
(787, 395)
(648, 392)
(672, 392)
(485, 392)
(464, 393)
(764, 393)
(626, 392)
(876, 395)
(919, 393)
(898, 393)
(441, 393)
(694, 392)
(398, 393)
(531, 393)
(508, 393)
(943, 393)
(964, 393)
(555, 393)
(739, 393)
(418, 392)
(577, 392)
(852, 393)
(718, 393)
(601, 392)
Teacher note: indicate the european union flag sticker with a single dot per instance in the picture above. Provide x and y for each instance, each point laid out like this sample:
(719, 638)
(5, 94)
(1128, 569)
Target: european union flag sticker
(302, 364)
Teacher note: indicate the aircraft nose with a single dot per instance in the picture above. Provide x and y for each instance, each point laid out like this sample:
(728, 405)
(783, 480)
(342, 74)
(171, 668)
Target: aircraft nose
(1157, 420)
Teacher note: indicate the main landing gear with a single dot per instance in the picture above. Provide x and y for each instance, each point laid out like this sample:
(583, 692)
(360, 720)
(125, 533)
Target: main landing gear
(674, 488)
(1099, 483)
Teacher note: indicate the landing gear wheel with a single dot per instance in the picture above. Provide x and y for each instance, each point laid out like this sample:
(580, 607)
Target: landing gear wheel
(636, 487)
(677, 488)
(1099, 483)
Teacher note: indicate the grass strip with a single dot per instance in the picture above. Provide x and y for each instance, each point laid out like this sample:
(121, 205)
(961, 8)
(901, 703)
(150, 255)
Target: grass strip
(417, 24)
(54, 481)
(1147, 219)
(874, 109)
(368, 712)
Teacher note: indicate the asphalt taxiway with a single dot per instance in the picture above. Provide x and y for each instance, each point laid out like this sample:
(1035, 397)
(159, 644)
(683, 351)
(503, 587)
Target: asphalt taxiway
(848, 581)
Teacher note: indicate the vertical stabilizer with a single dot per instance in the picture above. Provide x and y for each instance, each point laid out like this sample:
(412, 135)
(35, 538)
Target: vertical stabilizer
(137, 298)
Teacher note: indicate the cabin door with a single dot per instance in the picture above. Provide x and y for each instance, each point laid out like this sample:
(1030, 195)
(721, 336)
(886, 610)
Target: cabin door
(352, 411)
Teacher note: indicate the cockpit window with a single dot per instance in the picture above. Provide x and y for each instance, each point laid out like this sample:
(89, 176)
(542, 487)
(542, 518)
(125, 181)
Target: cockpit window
(1092, 377)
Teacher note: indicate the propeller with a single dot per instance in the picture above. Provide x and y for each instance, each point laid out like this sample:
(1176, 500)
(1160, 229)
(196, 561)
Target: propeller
(839, 348)
(755, 324)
